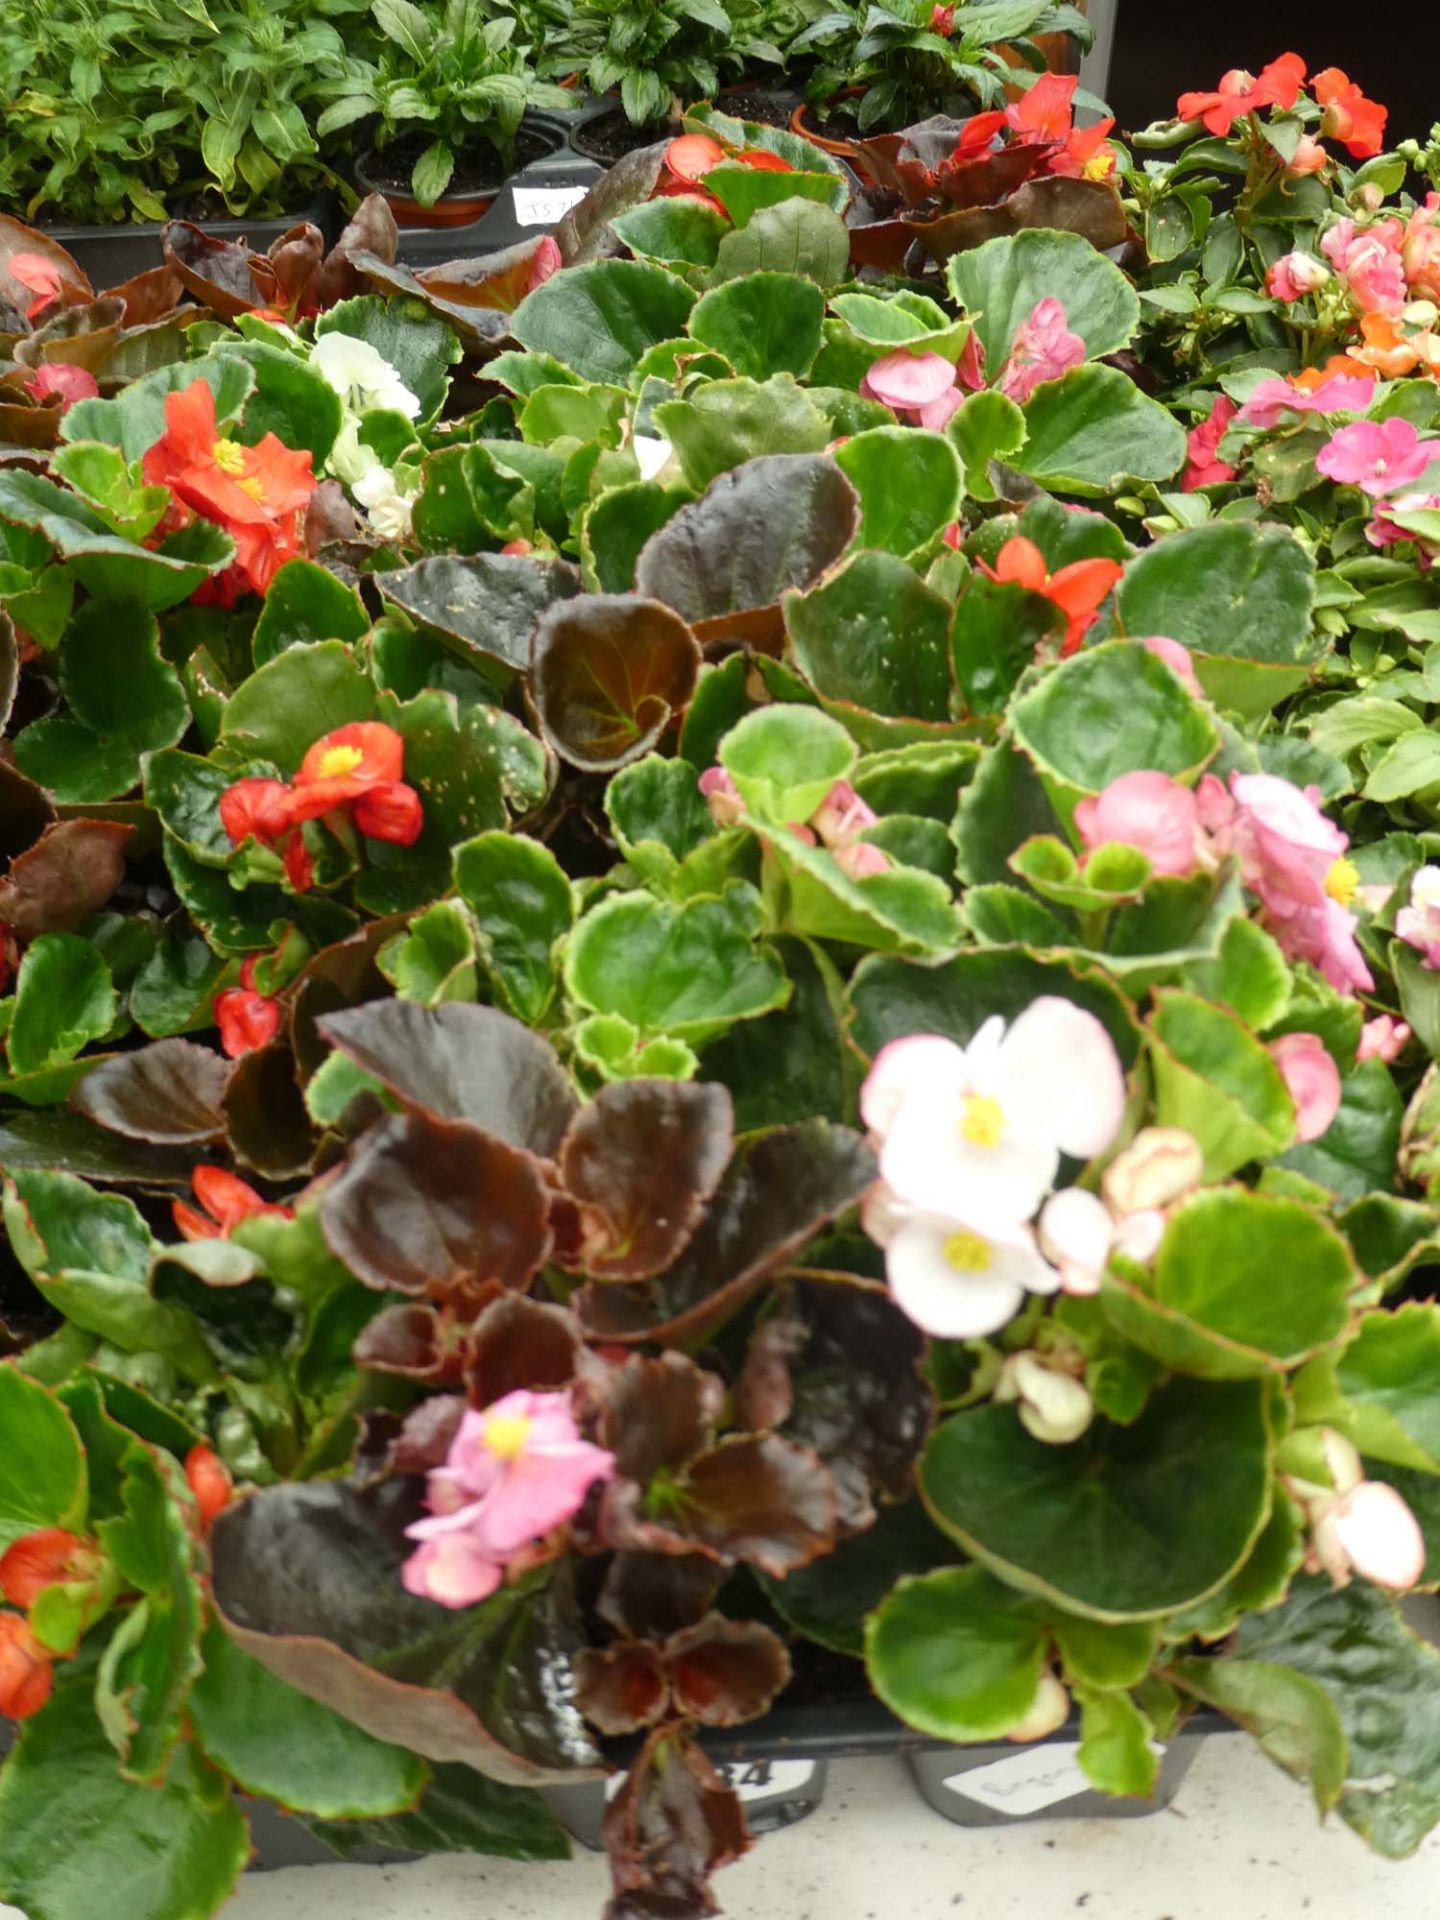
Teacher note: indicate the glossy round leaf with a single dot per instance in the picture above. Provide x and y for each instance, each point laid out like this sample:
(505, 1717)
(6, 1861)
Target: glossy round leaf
(1110, 710)
(766, 323)
(956, 1654)
(611, 671)
(600, 318)
(1001, 283)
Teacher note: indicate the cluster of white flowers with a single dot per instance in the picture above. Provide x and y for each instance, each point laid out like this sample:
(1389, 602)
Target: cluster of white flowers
(366, 382)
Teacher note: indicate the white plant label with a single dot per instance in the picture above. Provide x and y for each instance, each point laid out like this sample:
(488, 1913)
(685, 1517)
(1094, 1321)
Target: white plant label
(752, 1779)
(1023, 1783)
(543, 206)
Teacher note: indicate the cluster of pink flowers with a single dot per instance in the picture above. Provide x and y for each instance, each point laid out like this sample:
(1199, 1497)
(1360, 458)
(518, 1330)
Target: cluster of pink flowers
(837, 823)
(1418, 923)
(926, 389)
(513, 1474)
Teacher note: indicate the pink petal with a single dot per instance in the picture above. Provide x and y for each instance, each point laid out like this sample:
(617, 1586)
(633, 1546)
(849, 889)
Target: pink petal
(910, 379)
(454, 1572)
(1312, 1080)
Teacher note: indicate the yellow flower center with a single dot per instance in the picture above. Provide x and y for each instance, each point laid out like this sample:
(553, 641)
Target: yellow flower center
(336, 762)
(982, 1121)
(968, 1253)
(230, 456)
(506, 1434)
(1099, 166)
(1341, 881)
(254, 486)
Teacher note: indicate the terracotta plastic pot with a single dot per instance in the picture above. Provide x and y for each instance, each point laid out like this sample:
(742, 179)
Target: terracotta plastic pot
(800, 123)
(450, 210)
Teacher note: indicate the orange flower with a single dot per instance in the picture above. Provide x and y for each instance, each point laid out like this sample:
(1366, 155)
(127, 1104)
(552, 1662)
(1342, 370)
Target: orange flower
(344, 765)
(1077, 590)
(39, 276)
(1240, 93)
(26, 1673)
(257, 494)
(209, 1480)
(1044, 113)
(1357, 123)
(226, 1200)
(1386, 349)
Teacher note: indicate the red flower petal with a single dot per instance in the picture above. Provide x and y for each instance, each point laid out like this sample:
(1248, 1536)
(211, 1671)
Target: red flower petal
(391, 813)
(246, 1020)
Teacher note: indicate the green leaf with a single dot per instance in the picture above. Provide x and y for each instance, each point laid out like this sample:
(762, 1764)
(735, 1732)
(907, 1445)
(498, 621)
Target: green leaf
(617, 527)
(1380, 1389)
(766, 323)
(673, 230)
(484, 606)
(1126, 1523)
(611, 1047)
(1244, 1284)
(459, 1812)
(1385, 1685)
(1110, 710)
(1000, 283)
(1357, 1152)
(784, 759)
(909, 485)
(1093, 429)
(278, 1743)
(797, 236)
(1213, 1077)
(1115, 1742)
(122, 699)
(290, 703)
(523, 905)
(1239, 596)
(434, 959)
(134, 419)
(291, 400)
(601, 318)
(64, 999)
(107, 565)
(745, 191)
(43, 1481)
(955, 1654)
(989, 426)
(874, 636)
(1248, 974)
(166, 1853)
(687, 970)
(305, 603)
(727, 422)
(1410, 766)
(1294, 1719)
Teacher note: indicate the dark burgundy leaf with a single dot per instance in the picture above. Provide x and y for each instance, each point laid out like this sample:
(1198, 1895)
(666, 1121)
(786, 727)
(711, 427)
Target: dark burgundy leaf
(331, 521)
(25, 811)
(307, 1579)
(295, 260)
(722, 1672)
(69, 873)
(622, 1688)
(585, 232)
(411, 1341)
(655, 1594)
(148, 296)
(498, 281)
(478, 325)
(765, 1393)
(265, 1115)
(462, 1062)
(642, 1160)
(485, 604)
(609, 673)
(779, 1191)
(55, 1141)
(1088, 207)
(658, 1413)
(171, 1092)
(221, 275)
(672, 1824)
(519, 1343)
(429, 1429)
(774, 523)
(436, 1206)
(339, 976)
(372, 229)
(761, 1498)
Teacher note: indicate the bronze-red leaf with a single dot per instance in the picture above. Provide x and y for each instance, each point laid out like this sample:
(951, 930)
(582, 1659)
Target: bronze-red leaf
(622, 1688)
(609, 673)
(171, 1092)
(519, 1343)
(761, 1498)
(723, 1672)
(658, 1414)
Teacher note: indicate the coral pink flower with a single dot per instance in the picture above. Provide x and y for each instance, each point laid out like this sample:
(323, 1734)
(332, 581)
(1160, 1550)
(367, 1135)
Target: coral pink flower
(1336, 393)
(226, 1200)
(1309, 157)
(918, 387)
(1204, 467)
(1357, 123)
(1384, 530)
(246, 1021)
(514, 1472)
(70, 383)
(1371, 260)
(391, 813)
(1043, 349)
(40, 276)
(1376, 455)
(1420, 249)
(1294, 275)
(1383, 1038)
(209, 1481)
(1312, 1080)
(942, 21)
(1239, 93)
(1418, 924)
(27, 1673)
(1077, 589)
(1145, 810)
(1175, 656)
(38, 1560)
(256, 808)
(842, 816)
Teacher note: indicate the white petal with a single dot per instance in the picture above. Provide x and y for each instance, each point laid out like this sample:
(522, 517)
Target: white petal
(941, 1301)
(881, 1214)
(1160, 1165)
(928, 1162)
(1061, 1070)
(1138, 1235)
(920, 1062)
(1342, 1460)
(1380, 1535)
(1076, 1231)
(651, 454)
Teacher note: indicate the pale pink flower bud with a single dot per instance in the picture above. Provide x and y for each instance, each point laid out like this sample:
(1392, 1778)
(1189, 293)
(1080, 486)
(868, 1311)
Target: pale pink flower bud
(1176, 657)
(1294, 275)
(842, 816)
(1160, 1166)
(722, 797)
(1149, 811)
(1312, 1080)
(1383, 1038)
(860, 861)
(1051, 1709)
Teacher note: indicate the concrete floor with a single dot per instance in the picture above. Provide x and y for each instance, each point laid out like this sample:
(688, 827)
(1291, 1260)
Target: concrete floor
(1240, 1840)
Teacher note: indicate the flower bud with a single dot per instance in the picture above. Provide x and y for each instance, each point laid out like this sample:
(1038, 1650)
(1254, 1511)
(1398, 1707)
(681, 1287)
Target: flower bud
(1054, 1406)
(859, 860)
(1049, 1711)
(1160, 1166)
(722, 797)
(26, 1672)
(37, 1560)
(209, 1481)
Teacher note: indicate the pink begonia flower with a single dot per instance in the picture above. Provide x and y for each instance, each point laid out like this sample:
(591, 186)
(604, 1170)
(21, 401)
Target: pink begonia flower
(1043, 349)
(970, 367)
(1149, 811)
(70, 383)
(1420, 249)
(514, 1472)
(1176, 657)
(1418, 924)
(1376, 455)
(1384, 530)
(1370, 260)
(1203, 466)
(1340, 393)
(1358, 1525)
(1383, 1038)
(546, 260)
(842, 816)
(1312, 1080)
(917, 387)
(722, 796)
(1294, 275)
(1054, 1406)
(1292, 858)
(975, 1133)
(860, 861)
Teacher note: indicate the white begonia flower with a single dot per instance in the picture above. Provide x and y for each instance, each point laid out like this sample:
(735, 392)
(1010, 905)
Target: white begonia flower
(975, 1134)
(955, 1281)
(651, 454)
(387, 508)
(1054, 1406)
(362, 376)
(1358, 1525)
